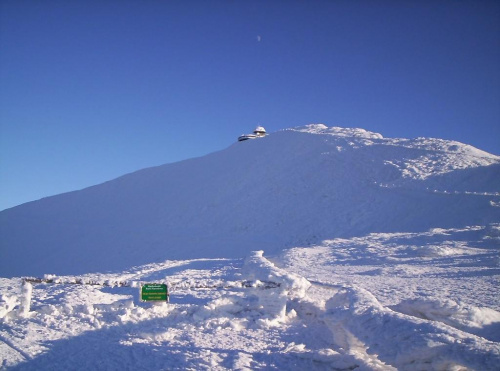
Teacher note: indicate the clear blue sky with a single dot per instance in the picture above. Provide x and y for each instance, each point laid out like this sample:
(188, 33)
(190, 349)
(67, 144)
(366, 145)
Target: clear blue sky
(91, 90)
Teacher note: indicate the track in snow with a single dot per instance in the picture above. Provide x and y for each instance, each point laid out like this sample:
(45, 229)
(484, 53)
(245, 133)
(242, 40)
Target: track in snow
(327, 322)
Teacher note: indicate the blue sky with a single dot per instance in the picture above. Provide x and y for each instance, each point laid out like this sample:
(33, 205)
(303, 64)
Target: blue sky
(91, 90)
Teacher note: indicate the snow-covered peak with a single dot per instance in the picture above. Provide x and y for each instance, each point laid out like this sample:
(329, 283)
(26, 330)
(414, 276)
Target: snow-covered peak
(337, 131)
(417, 159)
(426, 157)
(293, 187)
(444, 146)
(433, 144)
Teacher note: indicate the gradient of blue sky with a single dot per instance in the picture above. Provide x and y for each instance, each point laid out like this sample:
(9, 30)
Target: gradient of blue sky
(90, 90)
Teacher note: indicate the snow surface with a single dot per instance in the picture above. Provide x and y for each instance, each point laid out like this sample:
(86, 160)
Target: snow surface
(294, 187)
(312, 248)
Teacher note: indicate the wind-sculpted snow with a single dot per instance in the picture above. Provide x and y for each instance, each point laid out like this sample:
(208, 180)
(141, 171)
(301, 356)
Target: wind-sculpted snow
(338, 132)
(418, 301)
(295, 187)
(260, 269)
(482, 321)
(312, 248)
(367, 303)
(405, 342)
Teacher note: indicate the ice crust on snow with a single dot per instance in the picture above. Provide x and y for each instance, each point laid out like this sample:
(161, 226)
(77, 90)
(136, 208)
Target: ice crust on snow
(313, 248)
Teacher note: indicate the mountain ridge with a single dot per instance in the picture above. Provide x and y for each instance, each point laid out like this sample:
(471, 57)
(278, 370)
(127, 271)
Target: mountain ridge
(294, 187)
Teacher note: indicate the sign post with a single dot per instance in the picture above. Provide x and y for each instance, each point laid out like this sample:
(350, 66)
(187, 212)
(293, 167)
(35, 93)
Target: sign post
(154, 292)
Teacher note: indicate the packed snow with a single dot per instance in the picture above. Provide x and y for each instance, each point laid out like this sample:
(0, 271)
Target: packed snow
(312, 248)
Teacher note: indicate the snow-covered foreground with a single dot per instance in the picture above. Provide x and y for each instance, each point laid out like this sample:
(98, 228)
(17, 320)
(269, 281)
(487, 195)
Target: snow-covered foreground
(408, 301)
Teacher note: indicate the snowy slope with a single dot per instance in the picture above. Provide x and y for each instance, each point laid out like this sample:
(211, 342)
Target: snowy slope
(294, 187)
(392, 261)
(401, 301)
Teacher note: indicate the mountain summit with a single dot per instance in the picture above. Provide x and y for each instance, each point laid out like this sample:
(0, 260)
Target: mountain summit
(295, 187)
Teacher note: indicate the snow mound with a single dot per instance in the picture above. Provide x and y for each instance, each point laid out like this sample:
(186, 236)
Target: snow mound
(403, 342)
(484, 322)
(258, 268)
(7, 304)
(274, 302)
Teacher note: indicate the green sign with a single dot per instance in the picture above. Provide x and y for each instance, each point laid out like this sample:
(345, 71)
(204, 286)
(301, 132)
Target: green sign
(154, 292)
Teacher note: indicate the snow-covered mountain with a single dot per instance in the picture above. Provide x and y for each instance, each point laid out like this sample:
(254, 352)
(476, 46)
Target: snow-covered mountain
(391, 261)
(294, 187)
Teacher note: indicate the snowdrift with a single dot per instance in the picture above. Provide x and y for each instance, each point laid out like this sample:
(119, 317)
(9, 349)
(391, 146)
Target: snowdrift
(292, 188)
(339, 313)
